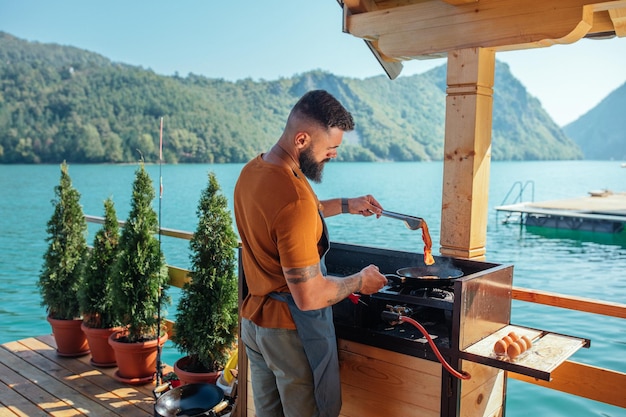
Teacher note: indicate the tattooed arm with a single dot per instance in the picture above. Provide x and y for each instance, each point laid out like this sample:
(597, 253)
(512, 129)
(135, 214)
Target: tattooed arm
(311, 290)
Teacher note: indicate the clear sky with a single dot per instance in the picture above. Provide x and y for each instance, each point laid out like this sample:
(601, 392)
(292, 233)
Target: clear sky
(235, 39)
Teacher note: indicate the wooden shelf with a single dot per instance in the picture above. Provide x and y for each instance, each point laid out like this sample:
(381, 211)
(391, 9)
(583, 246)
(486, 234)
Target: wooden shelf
(549, 350)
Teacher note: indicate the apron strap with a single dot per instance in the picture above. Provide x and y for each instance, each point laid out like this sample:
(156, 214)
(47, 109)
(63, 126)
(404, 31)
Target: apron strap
(324, 245)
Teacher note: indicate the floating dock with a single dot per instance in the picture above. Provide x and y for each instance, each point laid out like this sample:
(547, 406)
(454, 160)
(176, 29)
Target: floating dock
(600, 211)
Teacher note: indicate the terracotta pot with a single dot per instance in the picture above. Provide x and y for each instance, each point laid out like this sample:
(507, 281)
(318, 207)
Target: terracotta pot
(69, 338)
(136, 362)
(102, 354)
(187, 377)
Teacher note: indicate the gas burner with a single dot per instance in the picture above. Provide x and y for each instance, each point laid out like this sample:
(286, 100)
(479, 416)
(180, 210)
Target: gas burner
(437, 293)
(442, 298)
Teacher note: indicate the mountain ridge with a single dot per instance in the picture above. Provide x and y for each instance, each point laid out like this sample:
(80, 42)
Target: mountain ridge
(601, 132)
(62, 103)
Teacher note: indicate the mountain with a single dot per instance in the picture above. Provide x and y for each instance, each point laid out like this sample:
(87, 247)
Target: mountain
(601, 132)
(62, 103)
(521, 129)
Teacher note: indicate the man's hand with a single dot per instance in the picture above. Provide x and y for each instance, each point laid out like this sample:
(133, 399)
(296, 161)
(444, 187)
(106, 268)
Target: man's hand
(372, 280)
(365, 206)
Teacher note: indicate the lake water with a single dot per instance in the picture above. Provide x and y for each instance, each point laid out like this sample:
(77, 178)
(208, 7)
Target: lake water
(575, 263)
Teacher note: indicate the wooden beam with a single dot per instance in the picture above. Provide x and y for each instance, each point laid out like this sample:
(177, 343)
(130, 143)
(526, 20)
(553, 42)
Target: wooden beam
(586, 381)
(609, 17)
(181, 234)
(178, 276)
(432, 27)
(360, 6)
(618, 17)
(391, 65)
(574, 378)
(602, 23)
(459, 2)
(571, 302)
(467, 153)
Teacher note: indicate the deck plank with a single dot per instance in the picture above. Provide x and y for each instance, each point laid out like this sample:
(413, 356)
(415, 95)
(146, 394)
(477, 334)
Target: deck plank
(42, 390)
(96, 383)
(35, 381)
(14, 403)
(129, 391)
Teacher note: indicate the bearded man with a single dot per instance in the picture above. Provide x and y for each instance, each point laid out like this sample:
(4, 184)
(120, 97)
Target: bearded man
(287, 325)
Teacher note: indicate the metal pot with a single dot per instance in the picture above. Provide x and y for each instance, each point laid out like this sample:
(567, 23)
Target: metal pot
(436, 275)
(191, 400)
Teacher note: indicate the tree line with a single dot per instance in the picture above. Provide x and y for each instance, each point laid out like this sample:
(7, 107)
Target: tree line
(60, 103)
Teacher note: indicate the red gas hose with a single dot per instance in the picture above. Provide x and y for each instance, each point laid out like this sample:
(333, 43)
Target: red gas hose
(453, 372)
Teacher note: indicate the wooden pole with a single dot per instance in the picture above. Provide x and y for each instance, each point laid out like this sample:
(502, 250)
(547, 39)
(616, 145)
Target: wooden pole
(467, 153)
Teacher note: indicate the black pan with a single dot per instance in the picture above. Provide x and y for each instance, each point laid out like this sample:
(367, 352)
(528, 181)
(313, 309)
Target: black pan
(190, 400)
(428, 275)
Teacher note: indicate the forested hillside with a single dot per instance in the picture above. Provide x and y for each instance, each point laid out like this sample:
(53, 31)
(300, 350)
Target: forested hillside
(61, 103)
(601, 133)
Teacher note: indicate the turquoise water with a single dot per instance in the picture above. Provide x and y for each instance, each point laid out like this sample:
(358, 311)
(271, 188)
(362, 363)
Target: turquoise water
(586, 265)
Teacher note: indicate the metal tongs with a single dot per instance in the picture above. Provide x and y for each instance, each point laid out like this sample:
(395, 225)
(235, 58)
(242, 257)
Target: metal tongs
(411, 222)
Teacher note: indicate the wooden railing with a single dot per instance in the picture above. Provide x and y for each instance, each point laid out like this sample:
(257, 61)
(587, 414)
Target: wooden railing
(599, 384)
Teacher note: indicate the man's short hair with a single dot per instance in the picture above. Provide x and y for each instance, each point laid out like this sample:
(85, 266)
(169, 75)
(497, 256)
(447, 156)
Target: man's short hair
(321, 107)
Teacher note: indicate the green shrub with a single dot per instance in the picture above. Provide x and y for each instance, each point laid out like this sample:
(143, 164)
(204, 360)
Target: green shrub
(140, 273)
(206, 324)
(60, 275)
(95, 294)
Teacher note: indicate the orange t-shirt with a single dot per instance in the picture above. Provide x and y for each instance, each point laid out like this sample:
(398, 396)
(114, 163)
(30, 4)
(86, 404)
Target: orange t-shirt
(277, 215)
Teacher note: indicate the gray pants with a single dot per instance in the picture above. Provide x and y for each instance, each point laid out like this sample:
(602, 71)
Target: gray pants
(280, 372)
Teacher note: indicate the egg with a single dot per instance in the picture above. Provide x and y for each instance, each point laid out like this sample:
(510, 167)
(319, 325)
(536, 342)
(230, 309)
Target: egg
(500, 347)
(529, 342)
(513, 336)
(514, 350)
(522, 344)
(507, 340)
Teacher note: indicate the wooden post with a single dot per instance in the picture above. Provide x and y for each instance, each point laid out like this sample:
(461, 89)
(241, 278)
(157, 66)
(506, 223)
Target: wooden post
(467, 152)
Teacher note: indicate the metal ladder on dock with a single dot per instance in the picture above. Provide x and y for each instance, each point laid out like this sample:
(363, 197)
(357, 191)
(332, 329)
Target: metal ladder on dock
(515, 216)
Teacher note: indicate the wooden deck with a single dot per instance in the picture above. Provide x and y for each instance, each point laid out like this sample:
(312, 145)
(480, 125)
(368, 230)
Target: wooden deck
(597, 207)
(598, 202)
(35, 381)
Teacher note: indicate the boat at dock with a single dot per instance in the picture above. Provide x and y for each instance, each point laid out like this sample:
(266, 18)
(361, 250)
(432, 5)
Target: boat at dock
(602, 211)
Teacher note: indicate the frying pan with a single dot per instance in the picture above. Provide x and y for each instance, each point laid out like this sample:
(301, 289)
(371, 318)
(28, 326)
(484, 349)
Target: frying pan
(191, 400)
(427, 276)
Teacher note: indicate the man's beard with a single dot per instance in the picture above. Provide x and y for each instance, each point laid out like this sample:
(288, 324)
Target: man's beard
(309, 167)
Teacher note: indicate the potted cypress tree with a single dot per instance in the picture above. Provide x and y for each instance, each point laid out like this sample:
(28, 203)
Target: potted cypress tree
(60, 275)
(94, 296)
(140, 278)
(206, 324)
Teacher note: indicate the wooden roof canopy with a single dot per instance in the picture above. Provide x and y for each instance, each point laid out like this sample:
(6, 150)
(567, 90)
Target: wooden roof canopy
(400, 30)
(469, 33)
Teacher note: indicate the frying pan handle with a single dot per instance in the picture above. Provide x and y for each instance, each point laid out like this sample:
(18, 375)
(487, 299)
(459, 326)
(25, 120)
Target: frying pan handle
(213, 412)
(412, 222)
(395, 278)
(219, 407)
(159, 390)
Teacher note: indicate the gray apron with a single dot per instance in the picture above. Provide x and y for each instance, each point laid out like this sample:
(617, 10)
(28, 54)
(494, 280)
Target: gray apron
(317, 332)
